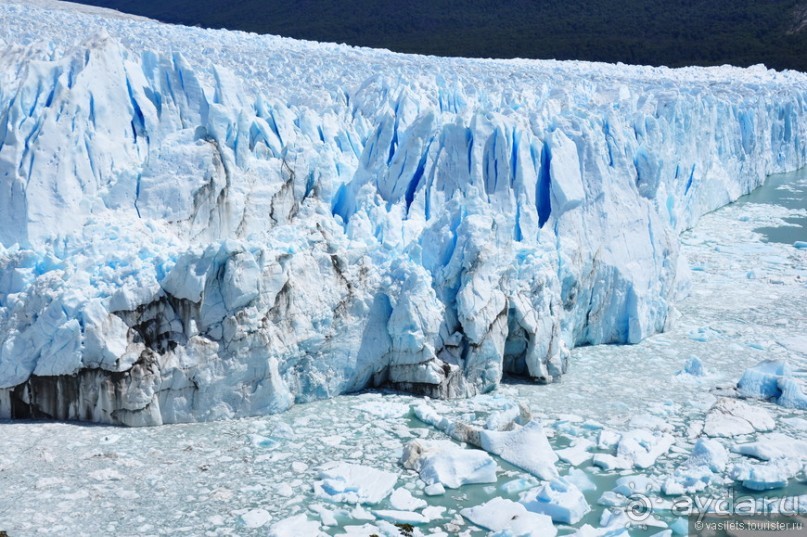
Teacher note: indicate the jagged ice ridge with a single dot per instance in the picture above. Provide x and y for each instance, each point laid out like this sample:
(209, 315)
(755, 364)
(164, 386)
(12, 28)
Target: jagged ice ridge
(201, 224)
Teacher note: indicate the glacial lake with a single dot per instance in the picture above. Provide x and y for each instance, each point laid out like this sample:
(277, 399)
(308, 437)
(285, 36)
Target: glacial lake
(785, 190)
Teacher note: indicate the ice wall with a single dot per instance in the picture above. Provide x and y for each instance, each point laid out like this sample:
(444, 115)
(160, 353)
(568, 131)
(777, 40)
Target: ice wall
(198, 225)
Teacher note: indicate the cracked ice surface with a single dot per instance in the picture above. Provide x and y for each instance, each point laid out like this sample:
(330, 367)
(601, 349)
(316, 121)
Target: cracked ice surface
(224, 478)
(197, 225)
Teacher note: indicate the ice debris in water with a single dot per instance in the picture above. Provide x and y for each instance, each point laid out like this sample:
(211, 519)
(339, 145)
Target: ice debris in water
(526, 447)
(509, 518)
(354, 483)
(694, 367)
(731, 417)
(773, 380)
(559, 499)
(295, 526)
(766, 476)
(256, 518)
(705, 465)
(402, 500)
(446, 463)
(635, 448)
(194, 233)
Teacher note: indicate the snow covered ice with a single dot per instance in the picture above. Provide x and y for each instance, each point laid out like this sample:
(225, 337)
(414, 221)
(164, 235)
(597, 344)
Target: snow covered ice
(198, 225)
(444, 462)
(559, 499)
(510, 518)
(773, 380)
(353, 483)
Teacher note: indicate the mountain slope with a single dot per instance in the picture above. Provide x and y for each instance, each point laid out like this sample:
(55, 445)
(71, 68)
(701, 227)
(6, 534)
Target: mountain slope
(674, 33)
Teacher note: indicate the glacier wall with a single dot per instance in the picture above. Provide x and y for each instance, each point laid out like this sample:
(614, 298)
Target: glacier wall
(199, 224)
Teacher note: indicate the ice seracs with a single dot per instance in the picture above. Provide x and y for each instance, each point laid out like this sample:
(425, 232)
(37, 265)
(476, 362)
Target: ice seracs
(222, 231)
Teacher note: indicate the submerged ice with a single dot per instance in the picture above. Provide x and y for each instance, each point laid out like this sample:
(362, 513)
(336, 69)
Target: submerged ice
(248, 222)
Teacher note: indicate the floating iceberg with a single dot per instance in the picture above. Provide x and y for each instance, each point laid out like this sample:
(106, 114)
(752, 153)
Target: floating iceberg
(446, 463)
(558, 499)
(402, 500)
(526, 447)
(767, 476)
(706, 463)
(693, 367)
(509, 518)
(294, 526)
(247, 222)
(354, 483)
(773, 380)
(731, 417)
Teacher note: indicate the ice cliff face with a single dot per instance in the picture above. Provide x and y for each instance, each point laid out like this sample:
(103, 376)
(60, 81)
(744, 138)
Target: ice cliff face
(198, 225)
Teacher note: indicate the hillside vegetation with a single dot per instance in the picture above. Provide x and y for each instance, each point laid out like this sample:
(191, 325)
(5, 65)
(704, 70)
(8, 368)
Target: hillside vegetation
(653, 32)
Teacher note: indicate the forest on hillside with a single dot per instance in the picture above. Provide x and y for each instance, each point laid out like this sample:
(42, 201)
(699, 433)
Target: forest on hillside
(650, 32)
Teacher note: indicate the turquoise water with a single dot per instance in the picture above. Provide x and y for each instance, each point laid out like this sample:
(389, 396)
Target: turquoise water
(786, 190)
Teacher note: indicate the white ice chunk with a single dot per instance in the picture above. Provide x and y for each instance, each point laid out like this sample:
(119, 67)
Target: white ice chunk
(767, 476)
(510, 518)
(526, 447)
(580, 479)
(774, 446)
(608, 439)
(402, 500)
(703, 467)
(256, 518)
(588, 530)
(730, 417)
(295, 526)
(709, 453)
(354, 483)
(401, 517)
(559, 499)
(610, 462)
(443, 461)
(642, 447)
(435, 489)
(578, 453)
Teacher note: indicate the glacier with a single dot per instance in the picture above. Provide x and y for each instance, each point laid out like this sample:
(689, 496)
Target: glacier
(200, 224)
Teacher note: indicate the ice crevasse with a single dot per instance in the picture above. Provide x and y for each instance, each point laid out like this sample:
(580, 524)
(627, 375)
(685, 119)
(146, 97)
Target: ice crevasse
(200, 224)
